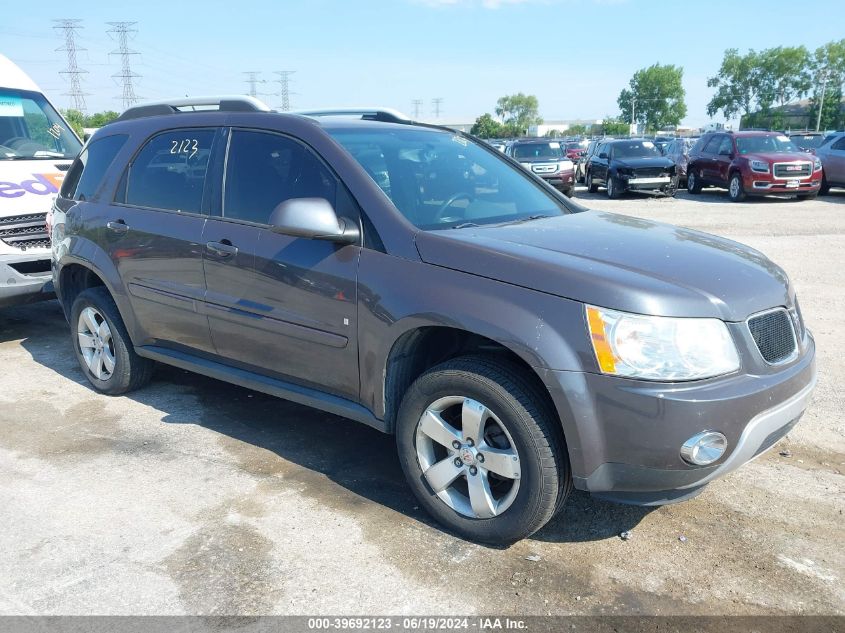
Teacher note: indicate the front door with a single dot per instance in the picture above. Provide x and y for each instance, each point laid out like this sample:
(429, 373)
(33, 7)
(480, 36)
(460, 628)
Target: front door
(282, 305)
(153, 232)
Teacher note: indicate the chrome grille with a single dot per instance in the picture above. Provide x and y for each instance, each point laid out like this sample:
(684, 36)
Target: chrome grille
(25, 231)
(792, 170)
(774, 335)
(544, 168)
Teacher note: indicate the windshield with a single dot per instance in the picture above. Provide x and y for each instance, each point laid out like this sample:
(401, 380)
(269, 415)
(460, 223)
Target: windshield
(808, 141)
(634, 149)
(773, 143)
(31, 129)
(440, 180)
(537, 150)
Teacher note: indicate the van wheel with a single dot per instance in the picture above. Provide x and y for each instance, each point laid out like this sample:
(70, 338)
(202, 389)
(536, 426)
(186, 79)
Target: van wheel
(735, 190)
(482, 452)
(103, 347)
(693, 182)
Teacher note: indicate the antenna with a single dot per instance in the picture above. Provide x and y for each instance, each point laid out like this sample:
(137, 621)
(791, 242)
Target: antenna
(73, 72)
(284, 93)
(436, 103)
(121, 32)
(416, 103)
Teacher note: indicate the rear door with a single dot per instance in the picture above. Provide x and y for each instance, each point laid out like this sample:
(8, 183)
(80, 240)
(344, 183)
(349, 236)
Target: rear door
(722, 160)
(152, 232)
(282, 305)
(834, 164)
(706, 162)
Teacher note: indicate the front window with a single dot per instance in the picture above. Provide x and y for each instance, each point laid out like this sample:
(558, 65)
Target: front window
(634, 149)
(441, 180)
(769, 143)
(31, 129)
(537, 150)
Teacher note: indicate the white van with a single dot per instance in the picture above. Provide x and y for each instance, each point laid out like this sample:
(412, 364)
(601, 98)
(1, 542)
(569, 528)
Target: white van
(36, 148)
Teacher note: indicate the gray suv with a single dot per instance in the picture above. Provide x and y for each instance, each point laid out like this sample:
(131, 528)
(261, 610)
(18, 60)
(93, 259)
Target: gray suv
(832, 155)
(413, 279)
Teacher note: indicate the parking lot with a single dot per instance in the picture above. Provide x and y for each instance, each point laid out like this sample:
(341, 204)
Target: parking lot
(196, 496)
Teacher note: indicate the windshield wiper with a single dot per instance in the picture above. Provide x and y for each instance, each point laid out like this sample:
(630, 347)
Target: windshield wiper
(464, 225)
(538, 216)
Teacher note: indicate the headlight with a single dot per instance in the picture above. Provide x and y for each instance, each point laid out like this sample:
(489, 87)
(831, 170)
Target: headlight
(660, 348)
(526, 165)
(760, 165)
(624, 171)
(565, 164)
(817, 165)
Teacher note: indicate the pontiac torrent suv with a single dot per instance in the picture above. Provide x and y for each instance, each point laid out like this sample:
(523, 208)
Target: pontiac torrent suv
(516, 344)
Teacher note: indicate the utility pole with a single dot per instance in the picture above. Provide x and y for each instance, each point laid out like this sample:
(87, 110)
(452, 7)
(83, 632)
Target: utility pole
(633, 112)
(121, 32)
(253, 80)
(416, 103)
(436, 103)
(284, 93)
(73, 72)
(821, 101)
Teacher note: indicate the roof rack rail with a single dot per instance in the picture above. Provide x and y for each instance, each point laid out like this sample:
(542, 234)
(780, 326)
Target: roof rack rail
(387, 115)
(231, 103)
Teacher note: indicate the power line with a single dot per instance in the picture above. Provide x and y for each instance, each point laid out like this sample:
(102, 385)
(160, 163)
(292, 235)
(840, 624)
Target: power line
(284, 92)
(436, 103)
(253, 81)
(416, 103)
(68, 29)
(121, 32)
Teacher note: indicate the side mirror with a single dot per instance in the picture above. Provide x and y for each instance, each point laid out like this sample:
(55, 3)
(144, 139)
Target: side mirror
(312, 218)
(729, 154)
(603, 155)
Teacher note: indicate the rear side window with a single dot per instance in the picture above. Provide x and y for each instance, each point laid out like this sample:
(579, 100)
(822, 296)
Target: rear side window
(169, 172)
(839, 145)
(263, 170)
(86, 174)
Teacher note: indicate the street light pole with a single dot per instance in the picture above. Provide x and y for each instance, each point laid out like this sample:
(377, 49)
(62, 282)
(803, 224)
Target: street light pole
(821, 101)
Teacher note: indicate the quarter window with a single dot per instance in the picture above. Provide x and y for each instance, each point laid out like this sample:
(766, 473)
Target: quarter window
(839, 145)
(263, 170)
(169, 172)
(86, 173)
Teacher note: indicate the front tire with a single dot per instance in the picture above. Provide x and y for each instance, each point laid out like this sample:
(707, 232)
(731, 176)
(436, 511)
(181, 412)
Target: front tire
(482, 451)
(735, 189)
(613, 188)
(825, 188)
(693, 182)
(103, 347)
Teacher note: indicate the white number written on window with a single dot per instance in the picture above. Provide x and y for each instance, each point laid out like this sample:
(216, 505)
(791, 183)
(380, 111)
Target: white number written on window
(189, 146)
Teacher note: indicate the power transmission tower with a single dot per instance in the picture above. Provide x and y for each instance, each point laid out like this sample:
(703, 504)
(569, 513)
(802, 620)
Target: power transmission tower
(417, 103)
(436, 103)
(253, 81)
(284, 93)
(121, 32)
(73, 72)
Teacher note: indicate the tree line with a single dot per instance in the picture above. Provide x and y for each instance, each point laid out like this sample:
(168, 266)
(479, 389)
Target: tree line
(755, 86)
(78, 121)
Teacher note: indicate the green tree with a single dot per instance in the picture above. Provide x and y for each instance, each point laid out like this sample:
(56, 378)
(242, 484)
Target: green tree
(76, 120)
(519, 111)
(99, 119)
(783, 76)
(657, 96)
(612, 126)
(486, 126)
(577, 130)
(737, 84)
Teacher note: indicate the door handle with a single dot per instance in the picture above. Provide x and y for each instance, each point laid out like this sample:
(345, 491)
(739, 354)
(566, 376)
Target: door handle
(118, 226)
(222, 249)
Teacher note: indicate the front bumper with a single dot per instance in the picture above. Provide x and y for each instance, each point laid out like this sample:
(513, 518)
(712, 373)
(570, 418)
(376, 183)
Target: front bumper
(765, 184)
(624, 436)
(656, 183)
(22, 279)
(560, 180)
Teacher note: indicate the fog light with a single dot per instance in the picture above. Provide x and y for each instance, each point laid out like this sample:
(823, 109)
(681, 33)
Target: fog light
(704, 448)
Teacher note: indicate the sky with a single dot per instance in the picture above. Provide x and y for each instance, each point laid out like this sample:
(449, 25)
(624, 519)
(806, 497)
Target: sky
(574, 55)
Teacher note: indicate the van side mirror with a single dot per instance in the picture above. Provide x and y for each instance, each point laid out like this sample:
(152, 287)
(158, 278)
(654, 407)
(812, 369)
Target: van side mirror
(313, 218)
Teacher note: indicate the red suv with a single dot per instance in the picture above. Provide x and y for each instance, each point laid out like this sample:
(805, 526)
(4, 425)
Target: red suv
(753, 164)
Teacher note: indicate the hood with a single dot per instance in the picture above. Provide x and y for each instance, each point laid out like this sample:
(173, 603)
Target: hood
(643, 161)
(780, 157)
(618, 262)
(534, 159)
(29, 186)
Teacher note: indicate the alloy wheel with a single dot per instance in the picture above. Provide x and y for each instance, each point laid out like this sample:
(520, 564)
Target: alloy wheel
(95, 343)
(467, 457)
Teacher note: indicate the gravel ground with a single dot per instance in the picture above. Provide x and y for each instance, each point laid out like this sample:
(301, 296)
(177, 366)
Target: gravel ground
(194, 496)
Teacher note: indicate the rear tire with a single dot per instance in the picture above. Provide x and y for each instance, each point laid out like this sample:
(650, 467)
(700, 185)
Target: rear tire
(103, 347)
(517, 427)
(735, 189)
(569, 192)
